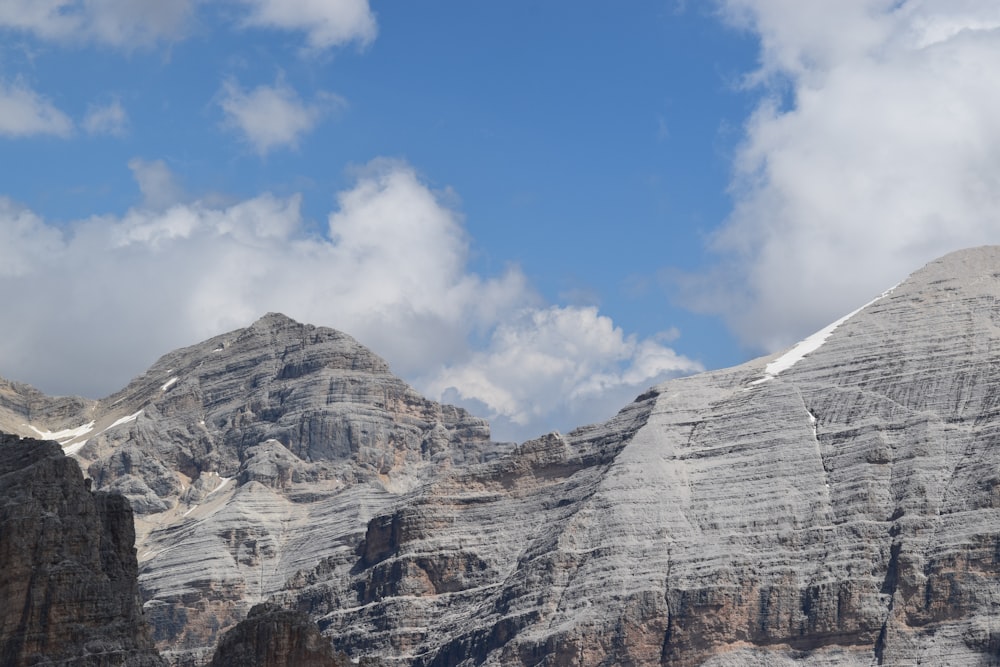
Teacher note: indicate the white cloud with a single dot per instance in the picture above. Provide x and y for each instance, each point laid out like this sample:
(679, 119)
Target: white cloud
(272, 117)
(98, 300)
(876, 148)
(157, 184)
(23, 112)
(110, 119)
(326, 23)
(118, 23)
(557, 366)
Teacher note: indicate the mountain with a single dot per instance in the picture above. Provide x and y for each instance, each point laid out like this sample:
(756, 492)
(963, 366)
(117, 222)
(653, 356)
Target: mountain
(69, 593)
(836, 504)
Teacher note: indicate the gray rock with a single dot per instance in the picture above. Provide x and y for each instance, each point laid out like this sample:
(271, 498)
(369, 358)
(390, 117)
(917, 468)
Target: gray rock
(838, 504)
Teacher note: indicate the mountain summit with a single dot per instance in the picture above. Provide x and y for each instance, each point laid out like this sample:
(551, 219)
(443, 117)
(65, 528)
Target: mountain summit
(835, 504)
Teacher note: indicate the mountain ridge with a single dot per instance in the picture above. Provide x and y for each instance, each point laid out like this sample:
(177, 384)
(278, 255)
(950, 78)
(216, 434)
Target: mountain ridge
(835, 503)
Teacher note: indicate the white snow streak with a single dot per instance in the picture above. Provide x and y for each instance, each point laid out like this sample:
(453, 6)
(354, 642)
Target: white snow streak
(168, 384)
(805, 347)
(124, 420)
(64, 436)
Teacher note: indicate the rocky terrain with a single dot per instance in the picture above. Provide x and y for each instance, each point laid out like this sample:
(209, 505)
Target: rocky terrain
(69, 594)
(837, 504)
(275, 637)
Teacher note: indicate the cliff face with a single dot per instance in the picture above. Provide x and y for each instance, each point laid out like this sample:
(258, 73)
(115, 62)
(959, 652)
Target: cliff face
(252, 456)
(835, 505)
(838, 504)
(274, 637)
(68, 573)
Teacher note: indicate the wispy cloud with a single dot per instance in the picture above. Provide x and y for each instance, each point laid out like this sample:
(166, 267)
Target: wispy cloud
(875, 148)
(119, 23)
(271, 117)
(326, 23)
(111, 119)
(24, 112)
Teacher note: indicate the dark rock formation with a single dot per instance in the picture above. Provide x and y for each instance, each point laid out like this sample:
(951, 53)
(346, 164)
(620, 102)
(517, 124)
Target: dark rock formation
(69, 593)
(274, 637)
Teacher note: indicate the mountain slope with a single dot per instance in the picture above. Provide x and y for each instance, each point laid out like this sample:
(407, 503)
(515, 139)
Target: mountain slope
(837, 507)
(835, 504)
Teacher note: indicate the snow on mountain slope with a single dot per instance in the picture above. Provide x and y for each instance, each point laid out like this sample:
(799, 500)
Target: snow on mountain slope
(846, 511)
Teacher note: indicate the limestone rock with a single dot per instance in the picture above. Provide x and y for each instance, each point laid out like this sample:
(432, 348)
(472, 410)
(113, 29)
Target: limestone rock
(837, 504)
(273, 637)
(68, 575)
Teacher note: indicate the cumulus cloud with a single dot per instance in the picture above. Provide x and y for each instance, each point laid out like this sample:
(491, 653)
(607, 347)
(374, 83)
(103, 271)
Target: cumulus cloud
(557, 365)
(24, 112)
(875, 148)
(326, 23)
(110, 119)
(118, 23)
(98, 300)
(270, 117)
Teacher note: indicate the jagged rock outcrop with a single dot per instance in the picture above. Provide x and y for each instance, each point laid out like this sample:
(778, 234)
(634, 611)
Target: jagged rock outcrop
(69, 592)
(275, 637)
(838, 504)
(252, 456)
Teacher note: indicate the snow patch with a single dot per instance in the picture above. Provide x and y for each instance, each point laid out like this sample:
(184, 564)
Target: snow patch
(124, 420)
(803, 348)
(64, 436)
(168, 384)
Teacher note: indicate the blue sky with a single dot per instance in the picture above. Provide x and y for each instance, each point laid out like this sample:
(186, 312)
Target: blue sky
(534, 209)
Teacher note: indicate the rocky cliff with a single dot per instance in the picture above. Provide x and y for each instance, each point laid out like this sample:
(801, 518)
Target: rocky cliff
(275, 637)
(837, 504)
(68, 574)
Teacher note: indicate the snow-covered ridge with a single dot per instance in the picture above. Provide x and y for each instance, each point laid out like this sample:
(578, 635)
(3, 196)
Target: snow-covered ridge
(803, 348)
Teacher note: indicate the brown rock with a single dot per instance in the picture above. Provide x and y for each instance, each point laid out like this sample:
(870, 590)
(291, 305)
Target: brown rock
(274, 637)
(69, 592)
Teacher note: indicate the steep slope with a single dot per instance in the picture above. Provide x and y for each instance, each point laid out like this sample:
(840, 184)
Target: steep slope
(254, 455)
(68, 575)
(274, 637)
(834, 505)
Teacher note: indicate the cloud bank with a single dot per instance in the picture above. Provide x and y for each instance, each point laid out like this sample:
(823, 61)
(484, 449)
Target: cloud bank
(875, 148)
(95, 302)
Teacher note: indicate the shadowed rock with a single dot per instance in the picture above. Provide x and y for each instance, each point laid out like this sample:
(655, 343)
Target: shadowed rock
(69, 594)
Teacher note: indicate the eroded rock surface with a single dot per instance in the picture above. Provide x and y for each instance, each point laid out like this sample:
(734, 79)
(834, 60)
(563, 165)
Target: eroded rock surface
(274, 637)
(69, 591)
(838, 504)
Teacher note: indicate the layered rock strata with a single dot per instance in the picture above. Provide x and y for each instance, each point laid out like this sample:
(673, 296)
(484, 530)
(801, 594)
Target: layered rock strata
(69, 591)
(836, 504)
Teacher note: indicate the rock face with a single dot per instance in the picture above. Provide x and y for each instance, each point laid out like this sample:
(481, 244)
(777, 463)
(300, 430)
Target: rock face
(251, 457)
(274, 637)
(69, 592)
(838, 504)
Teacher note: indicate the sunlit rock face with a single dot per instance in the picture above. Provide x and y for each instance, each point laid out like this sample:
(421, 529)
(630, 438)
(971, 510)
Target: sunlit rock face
(249, 458)
(834, 505)
(68, 575)
(841, 509)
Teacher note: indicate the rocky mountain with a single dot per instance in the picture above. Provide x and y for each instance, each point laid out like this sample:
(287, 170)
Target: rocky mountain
(837, 504)
(69, 592)
(275, 637)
